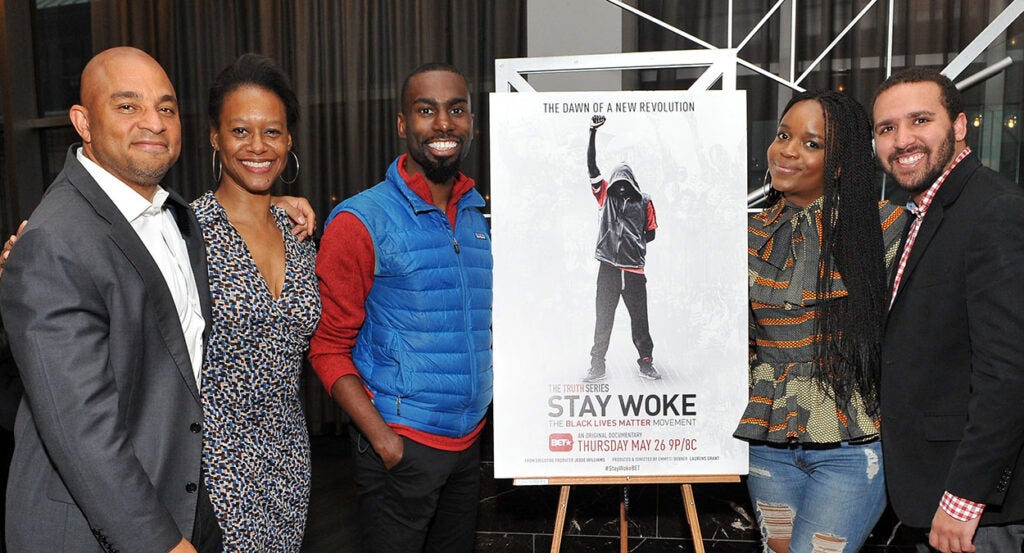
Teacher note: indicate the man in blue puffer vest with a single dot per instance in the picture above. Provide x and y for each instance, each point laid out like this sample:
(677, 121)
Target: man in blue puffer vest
(404, 342)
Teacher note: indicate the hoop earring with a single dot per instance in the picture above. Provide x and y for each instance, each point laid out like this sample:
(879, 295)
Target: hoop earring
(218, 168)
(296, 175)
(771, 195)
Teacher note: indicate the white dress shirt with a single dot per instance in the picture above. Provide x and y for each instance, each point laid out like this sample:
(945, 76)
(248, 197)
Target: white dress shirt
(159, 232)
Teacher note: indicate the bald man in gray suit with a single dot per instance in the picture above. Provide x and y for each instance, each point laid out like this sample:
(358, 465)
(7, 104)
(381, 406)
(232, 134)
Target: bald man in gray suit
(105, 302)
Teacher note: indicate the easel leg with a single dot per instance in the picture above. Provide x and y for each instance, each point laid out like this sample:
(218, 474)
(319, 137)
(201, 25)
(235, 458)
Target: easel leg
(563, 507)
(624, 521)
(691, 518)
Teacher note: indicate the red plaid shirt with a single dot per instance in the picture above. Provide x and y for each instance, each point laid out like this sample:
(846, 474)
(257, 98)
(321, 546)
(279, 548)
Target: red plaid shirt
(960, 508)
(919, 210)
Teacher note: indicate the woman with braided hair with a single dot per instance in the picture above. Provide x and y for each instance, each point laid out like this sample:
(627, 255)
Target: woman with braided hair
(818, 260)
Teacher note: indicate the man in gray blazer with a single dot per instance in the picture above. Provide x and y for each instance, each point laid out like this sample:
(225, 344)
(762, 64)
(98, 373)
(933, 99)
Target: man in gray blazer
(105, 302)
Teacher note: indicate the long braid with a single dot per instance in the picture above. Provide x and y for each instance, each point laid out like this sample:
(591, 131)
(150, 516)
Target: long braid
(847, 354)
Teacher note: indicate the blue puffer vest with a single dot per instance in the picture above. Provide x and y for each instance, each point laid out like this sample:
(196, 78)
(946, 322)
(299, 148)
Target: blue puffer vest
(424, 350)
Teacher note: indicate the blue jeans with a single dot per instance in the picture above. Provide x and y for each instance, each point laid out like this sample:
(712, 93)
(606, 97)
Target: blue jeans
(824, 499)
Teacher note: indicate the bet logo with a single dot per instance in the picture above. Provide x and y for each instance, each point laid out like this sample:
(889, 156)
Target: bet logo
(560, 442)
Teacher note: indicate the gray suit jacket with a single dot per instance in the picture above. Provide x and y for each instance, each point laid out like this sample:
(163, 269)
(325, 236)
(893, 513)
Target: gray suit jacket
(109, 436)
(10, 383)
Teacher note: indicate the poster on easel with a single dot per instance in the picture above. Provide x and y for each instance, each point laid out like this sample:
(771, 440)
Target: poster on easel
(620, 282)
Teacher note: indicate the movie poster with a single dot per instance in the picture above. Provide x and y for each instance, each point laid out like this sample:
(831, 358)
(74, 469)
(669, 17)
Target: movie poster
(620, 300)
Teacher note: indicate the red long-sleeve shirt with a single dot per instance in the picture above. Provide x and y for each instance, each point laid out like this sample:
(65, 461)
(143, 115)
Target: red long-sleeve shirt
(345, 267)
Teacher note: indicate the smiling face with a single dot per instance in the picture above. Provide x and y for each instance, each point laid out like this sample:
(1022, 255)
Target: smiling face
(252, 139)
(796, 158)
(128, 118)
(915, 139)
(437, 124)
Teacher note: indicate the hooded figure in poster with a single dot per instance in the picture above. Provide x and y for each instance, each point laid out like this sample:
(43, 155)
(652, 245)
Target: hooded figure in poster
(627, 224)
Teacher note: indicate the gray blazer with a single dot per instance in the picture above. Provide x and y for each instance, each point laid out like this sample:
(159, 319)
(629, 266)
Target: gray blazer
(109, 436)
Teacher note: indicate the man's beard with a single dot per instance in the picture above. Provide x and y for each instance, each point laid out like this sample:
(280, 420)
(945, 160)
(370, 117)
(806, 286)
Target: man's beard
(436, 171)
(148, 175)
(441, 173)
(945, 157)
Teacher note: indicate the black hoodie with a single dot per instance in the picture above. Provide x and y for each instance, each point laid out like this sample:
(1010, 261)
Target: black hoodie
(622, 236)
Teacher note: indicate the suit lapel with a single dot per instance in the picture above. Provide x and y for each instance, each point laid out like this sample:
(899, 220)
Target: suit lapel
(932, 222)
(944, 198)
(160, 302)
(193, 235)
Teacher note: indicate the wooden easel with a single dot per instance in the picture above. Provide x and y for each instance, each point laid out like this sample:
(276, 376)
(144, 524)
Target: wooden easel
(685, 482)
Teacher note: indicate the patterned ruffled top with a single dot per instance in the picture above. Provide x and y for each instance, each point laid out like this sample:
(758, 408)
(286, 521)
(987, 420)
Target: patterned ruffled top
(787, 404)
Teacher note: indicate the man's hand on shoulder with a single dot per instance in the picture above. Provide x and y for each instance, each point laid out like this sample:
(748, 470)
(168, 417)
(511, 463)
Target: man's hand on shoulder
(300, 212)
(9, 244)
(951, 535)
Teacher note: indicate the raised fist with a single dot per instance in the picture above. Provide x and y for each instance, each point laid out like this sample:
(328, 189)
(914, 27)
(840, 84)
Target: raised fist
(596, 121)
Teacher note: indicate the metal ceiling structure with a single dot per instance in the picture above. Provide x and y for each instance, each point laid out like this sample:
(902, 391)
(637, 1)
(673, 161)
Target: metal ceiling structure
(721, 62)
